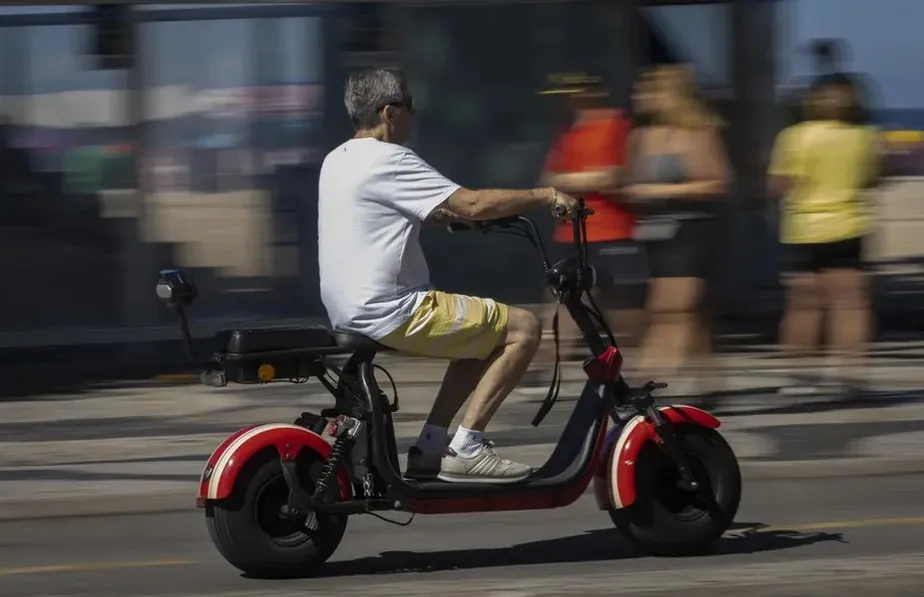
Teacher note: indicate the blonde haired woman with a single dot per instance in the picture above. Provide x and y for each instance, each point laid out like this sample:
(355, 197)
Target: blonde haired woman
(820, 168)
(678, 172)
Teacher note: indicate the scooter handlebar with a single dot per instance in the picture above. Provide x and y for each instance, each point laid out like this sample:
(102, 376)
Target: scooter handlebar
(482, 225)
(559, 211)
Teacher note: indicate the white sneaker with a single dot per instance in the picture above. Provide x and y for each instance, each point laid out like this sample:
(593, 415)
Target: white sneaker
(484, 467)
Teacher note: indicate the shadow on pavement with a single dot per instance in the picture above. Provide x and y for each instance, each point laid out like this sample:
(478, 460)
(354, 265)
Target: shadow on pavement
(744, 538)
(592, 546)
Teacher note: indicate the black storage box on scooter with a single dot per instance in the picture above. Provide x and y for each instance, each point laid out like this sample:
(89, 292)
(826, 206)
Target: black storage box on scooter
(266, 354)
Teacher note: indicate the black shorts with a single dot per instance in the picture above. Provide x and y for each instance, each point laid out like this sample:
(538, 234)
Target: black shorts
(690, 253)
(621, 279)
(816, 257)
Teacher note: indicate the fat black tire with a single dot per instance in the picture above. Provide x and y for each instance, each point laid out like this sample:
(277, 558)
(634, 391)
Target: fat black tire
(658, 521)
(235, 527)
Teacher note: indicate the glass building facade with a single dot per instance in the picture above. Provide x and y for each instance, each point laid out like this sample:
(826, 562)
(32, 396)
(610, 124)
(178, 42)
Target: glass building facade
(204, 154)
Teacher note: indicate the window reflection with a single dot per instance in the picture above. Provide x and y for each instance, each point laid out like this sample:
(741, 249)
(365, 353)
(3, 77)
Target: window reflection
(230, 100)
(197, 134)
(38, 10)
(172, 6)
(65, 155)
(76, 116)
(697, 34)
(232, 111)
(475, 72)
(232, 119)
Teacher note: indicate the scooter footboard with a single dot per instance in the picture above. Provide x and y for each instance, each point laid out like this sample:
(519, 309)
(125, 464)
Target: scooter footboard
(614, 481)
(227, 461)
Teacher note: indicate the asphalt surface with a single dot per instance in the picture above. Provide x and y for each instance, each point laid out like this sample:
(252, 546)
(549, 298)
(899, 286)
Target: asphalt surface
(844, 536)
(134, 451)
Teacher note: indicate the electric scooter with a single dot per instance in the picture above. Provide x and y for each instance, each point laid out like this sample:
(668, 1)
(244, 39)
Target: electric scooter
(277, 496)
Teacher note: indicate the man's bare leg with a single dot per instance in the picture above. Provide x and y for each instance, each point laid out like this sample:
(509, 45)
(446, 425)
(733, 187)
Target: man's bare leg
(504, 368)
(470, 458)
(459, 382)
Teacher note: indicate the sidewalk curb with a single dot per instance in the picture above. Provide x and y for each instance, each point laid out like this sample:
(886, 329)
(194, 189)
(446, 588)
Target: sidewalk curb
(180, 500)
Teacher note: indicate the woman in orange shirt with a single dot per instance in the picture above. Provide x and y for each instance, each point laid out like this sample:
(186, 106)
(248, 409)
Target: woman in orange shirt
(586, 159)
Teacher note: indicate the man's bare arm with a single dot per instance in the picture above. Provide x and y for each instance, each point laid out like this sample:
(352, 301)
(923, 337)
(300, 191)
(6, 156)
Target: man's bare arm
(490, 204)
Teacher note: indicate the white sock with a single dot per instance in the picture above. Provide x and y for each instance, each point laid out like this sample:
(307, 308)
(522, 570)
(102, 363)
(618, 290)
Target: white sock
(466, 442)
(433, 439)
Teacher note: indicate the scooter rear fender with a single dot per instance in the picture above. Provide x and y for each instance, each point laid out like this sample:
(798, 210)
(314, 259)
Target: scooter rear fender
(614, 481)
(226, 462)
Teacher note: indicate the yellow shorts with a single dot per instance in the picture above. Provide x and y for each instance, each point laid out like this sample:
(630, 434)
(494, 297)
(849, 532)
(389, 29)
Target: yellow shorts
(451, 326)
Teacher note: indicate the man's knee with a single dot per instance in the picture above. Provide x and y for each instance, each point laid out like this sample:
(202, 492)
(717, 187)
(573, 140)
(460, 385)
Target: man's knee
(523, 328)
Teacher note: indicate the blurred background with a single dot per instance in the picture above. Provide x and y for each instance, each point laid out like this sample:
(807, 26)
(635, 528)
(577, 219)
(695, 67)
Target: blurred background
(134, 138)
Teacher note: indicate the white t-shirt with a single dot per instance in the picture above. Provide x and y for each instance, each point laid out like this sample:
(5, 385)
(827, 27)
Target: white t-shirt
(373, 198)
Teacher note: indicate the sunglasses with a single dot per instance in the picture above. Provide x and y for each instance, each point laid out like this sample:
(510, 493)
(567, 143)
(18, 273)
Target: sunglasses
(407, 103)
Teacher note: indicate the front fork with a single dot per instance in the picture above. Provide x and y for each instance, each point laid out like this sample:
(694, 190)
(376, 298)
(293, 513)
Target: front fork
(641, 402)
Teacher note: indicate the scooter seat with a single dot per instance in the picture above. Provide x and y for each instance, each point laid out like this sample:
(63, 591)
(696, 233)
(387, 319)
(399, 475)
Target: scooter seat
(351, 342)
(324, 340)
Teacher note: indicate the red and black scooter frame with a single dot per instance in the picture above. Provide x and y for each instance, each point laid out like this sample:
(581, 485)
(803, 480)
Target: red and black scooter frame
(561, 481)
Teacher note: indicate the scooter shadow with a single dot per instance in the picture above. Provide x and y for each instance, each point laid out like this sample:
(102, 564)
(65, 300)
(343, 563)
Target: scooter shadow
(591, 546)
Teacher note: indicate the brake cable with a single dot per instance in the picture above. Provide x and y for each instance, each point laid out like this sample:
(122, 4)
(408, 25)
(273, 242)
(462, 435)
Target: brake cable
(601, 321)
(552, 396)
(555, 385)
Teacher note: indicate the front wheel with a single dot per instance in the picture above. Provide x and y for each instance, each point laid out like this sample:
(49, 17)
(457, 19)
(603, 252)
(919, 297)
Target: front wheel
(253, 536)
(665, 520)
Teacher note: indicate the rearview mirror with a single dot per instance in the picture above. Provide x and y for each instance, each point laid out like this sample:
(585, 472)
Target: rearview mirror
(175, 288)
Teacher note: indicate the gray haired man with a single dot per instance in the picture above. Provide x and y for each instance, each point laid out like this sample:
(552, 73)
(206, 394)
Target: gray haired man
(374, 196)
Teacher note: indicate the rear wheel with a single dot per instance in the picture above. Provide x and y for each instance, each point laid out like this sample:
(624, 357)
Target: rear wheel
(251, 533)
(665, 520)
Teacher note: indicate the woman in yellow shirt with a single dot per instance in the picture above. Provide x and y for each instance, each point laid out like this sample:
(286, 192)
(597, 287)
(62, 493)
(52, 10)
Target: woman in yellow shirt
(821, 168)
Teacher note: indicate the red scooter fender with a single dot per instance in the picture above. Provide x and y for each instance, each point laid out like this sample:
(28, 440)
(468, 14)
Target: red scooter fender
(226, 462)
(614, 481)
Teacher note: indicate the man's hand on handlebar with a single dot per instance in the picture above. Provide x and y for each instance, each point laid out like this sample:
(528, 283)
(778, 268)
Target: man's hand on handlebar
(563, 205)
(440, 217)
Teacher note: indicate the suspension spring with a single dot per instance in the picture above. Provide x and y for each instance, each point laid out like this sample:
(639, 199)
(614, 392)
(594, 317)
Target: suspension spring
(338, 453)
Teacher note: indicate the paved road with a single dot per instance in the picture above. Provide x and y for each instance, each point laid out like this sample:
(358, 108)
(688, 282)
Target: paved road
(131, 449)
(848, 536)
(137, 450)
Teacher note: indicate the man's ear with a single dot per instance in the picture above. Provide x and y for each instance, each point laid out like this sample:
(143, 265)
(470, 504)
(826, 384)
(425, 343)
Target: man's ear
(388, 113)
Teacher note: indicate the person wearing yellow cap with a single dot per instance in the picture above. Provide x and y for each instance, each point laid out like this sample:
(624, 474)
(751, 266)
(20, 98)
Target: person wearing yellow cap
(586, 158)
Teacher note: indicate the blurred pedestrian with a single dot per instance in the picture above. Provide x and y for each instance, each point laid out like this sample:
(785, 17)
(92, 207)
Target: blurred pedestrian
(678, 173)
(586, 159)
(828, 59)
(820, 169)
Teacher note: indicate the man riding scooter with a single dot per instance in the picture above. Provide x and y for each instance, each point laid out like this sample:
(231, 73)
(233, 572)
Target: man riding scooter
(374, 196)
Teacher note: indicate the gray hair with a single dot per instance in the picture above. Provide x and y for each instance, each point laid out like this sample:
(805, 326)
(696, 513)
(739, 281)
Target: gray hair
(369, 91)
